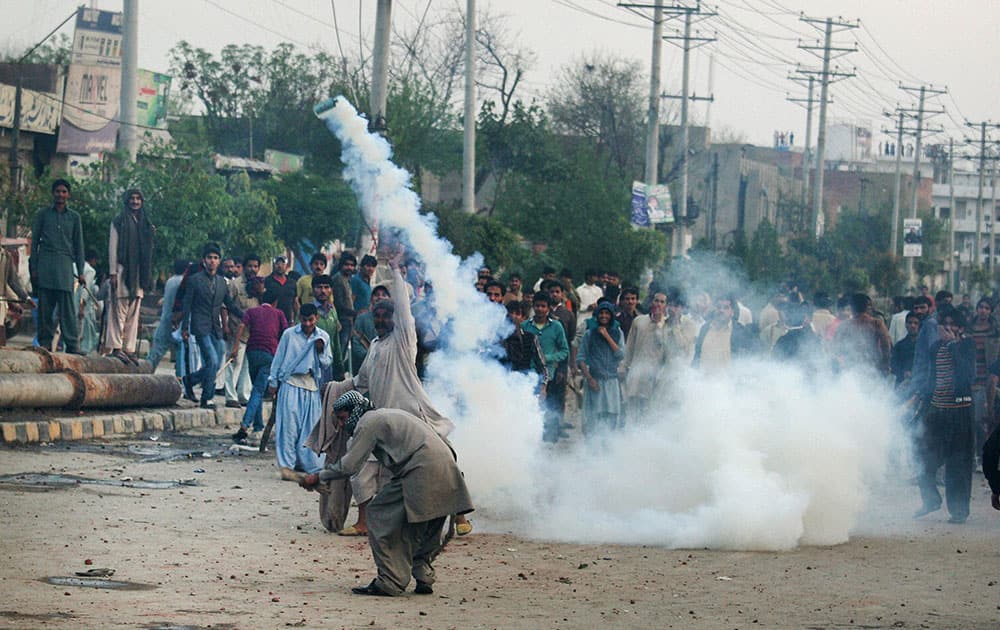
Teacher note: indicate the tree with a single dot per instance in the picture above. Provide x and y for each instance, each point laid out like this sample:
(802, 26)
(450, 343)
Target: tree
(188, 203)
(248, 90)
(581, 217)
(55, 51)
(469, 233)
(603, 98)
(519, 143)
(314, 208)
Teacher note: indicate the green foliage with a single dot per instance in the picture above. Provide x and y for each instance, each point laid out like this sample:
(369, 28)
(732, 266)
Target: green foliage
(603, 98)
(422, 129)
(765, 262)
(187, 201)
(271, 92)
(56, 51)
(582, 217)
(468, 233)
(849, 258)
(313, 207)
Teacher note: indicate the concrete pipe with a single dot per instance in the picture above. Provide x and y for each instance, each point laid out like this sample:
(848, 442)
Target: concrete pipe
(40, 361)
(74, 390)
(93, 364)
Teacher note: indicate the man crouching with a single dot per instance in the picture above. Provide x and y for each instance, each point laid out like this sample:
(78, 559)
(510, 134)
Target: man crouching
(406, 517)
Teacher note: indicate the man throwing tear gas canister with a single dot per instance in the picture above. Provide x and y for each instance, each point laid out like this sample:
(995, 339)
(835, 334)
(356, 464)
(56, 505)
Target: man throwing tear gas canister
(406, 517)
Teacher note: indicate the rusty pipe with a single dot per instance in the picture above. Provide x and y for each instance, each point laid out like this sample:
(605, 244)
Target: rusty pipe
(74, 390)
(41, 361)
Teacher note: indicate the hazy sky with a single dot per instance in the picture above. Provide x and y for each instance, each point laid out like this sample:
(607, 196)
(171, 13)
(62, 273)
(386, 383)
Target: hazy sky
(909, 41)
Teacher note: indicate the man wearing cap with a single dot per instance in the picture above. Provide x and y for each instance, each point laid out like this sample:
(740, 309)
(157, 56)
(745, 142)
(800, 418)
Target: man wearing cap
(56, 246)
(406, 517)
(130, 259)
(205, 295)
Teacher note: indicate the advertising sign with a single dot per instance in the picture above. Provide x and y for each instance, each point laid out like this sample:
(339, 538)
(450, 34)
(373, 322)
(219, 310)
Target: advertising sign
(151, 106)
(913, 238)
(651, 205)
(93, 84)
(39, 110)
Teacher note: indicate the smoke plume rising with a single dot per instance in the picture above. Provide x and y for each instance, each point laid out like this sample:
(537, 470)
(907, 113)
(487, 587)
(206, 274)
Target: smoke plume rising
(767, 456)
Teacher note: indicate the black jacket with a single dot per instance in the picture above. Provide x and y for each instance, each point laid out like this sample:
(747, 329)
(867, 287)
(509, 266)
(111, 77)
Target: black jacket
(204, 298)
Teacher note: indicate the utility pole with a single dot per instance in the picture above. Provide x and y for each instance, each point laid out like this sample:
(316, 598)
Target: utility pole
(369, 240)
(810, 81)
(827, 76)
(711, 90)
(653, 111)
(979, 197)
(894, 245)
(380, 65)
(713, 227)
(469, 122)
(953, 263)
(680, 228)
(915, 188)
(993, 216)
(128, 138)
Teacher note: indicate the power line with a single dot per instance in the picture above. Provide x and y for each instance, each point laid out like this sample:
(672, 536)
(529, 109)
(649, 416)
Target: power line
(257, 24)
(572, 5)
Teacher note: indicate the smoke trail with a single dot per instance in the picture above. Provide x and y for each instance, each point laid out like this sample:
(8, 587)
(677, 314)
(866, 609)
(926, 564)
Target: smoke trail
(765, 457)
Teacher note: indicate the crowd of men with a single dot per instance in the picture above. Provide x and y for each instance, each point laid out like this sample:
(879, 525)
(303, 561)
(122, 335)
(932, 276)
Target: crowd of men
(335, 345)
(623, 356)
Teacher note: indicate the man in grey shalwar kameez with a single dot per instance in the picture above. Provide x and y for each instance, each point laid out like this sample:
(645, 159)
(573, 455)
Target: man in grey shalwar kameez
(406, 517)
(389, 378)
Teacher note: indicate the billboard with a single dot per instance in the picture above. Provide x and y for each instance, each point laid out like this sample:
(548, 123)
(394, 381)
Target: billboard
(151, 105)
(651, 205)
(93, 84)
(39, 110)
(913, 238)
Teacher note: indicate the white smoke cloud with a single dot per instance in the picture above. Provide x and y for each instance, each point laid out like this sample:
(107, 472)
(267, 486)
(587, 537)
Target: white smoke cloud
(766, 456)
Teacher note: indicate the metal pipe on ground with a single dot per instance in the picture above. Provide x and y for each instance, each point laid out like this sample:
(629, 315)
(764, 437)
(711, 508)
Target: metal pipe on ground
(74, 390)
(41, 361)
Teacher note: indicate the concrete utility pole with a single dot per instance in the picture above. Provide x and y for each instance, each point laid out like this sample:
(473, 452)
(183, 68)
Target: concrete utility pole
(894, 245)
(660, 10)
(469, 123)
(128, 137)
(924, 90)
(810, 80)
(953, 262)
(982, 173)
(380, 65)
(827, 76)
(711, 90)
(680, 229)
(993, 215)
(653, 111)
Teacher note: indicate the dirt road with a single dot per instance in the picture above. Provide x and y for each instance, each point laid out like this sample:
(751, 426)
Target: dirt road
(242, 549)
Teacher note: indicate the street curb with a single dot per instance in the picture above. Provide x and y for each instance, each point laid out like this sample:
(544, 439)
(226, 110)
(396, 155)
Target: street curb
(119, 423)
